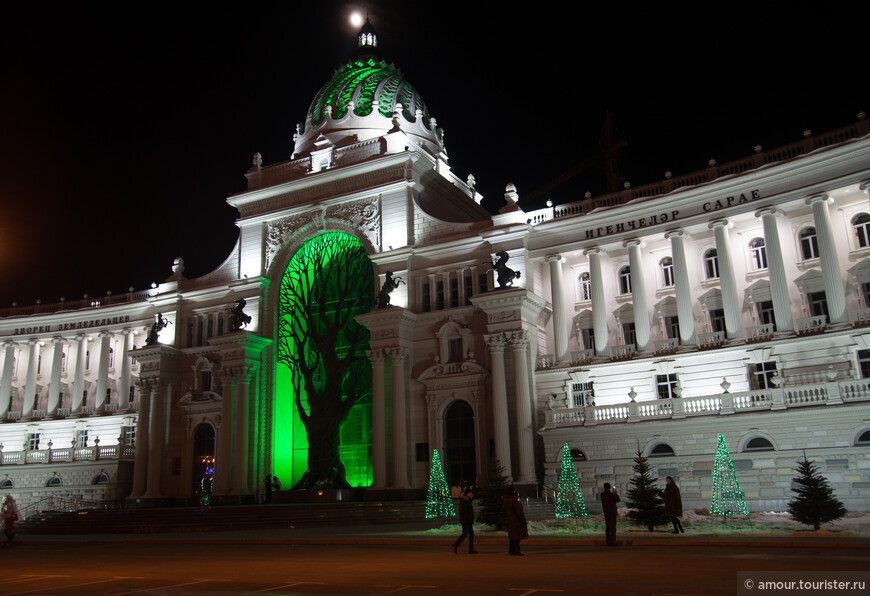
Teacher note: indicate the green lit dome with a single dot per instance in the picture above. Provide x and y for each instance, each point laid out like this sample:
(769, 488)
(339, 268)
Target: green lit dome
(365, 99)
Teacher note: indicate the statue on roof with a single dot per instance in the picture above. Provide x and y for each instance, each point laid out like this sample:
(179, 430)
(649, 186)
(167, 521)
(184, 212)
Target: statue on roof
(390, 284)
(504, 274)
(238, 317)
(160, 323)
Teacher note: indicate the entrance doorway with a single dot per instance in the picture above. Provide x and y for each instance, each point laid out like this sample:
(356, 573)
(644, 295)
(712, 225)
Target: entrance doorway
(203, 460)
(459, 448)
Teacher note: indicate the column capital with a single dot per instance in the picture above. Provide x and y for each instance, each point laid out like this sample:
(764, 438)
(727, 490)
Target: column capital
(377, 357)
(865, 186)
(817, 199)
(81, 336)
(495, 343)
(593, 251)
(631, 242)
(33, 341)
(57, 339)
(397, 354)
(9, 344)
(768, 211)
(125, 331)
(518, 340)
(552, 258)
(680, 233)
(718, 223)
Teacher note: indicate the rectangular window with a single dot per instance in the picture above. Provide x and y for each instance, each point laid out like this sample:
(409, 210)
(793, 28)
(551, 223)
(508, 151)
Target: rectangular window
(81, 438)
(33, 441)
(672, 327)
(717, 320)
(865, 291)
(761, 375)
(129, 435)
(220, 326)
(454, 350)
(665, 384)
(482, 283)
(190, 335)
(765, 313)
(426, 299)
(818, 304)
(582, 394)
(628, 333)
(454, 293)
(210, 331)
(199, 333)
(864, 363)
(469, 288)
(205, 380)
(588, 338)
(439, 295)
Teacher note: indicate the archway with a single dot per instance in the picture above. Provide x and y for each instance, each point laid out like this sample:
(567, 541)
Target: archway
(459, 446)
(322, 428)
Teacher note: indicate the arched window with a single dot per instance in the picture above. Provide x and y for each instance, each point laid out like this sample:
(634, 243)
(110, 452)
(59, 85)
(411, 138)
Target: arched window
(758, 253)
(758, 444)
(7, 483)
(101, 478)
(667, 267)
(861, 227)
(661, 450)
(577, 454)
(711, 264)
(809, 243)
(585, 287)
(54, 481)
(624, 280)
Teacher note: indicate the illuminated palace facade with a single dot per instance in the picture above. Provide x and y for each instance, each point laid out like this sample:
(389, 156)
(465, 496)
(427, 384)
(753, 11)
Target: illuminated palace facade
(735, 300)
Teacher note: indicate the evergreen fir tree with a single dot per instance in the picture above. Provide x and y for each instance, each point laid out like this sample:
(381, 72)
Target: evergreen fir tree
(646, 507)
(492, 497)
(569, 499)
(438, 502)
(727, 497)
(814, 503)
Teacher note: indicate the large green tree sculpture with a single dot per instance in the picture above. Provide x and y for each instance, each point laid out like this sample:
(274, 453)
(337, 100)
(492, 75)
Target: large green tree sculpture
(328, 282)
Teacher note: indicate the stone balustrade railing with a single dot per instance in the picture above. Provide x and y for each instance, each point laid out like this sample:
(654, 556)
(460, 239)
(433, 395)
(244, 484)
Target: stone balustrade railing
(831, 393)
(67, 454)
(812, 324)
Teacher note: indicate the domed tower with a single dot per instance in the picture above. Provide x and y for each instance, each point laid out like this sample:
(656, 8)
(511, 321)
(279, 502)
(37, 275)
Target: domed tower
(366, 99)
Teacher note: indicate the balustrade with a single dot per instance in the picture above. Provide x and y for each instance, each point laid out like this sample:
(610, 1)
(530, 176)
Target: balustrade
(812, 324)
(68, 454)
(666, 346)
(759, 332)
(582, 356)
(622, 352)
(862, 317)
(711, 340)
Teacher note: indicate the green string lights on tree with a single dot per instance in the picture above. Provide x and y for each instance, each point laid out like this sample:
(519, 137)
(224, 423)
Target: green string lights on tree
(438, 502)
(569, 499)
(727, 496)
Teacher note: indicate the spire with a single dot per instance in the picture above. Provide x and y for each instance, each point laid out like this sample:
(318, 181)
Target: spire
(367, 42)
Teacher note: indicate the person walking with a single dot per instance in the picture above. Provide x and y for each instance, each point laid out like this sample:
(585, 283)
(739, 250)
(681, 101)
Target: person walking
(608, 503)
(466, 517)
(9, 511)
(518, 528)
(673, 504)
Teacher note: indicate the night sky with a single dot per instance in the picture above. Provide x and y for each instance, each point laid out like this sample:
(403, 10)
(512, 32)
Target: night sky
(124, 127)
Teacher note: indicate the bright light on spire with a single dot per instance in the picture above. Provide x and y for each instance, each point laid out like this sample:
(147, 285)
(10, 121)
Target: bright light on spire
(356, 19)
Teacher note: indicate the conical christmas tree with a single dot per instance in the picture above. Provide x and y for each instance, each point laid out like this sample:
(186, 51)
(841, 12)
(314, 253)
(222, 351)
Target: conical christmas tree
(646, 507)
(814, 503)
(492, 497)
(438, 503)
(727, 496)
(569, 499)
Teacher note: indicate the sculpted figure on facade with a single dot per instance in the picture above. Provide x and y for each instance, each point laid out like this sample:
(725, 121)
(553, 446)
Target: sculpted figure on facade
(504, 274)
(238, 317)
(160, 323)
(390, 284)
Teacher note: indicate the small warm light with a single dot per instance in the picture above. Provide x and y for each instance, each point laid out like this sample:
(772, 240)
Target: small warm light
(356, 19)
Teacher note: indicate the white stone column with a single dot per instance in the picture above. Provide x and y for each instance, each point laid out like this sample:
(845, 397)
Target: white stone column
(638, 294)
(103, 371)
(461, 287)
(683, 287)
(727, 281)
(599, 307)
(54, 385)
(400, 438)
(6, 379)
(241, 426)
(379, 430)
(140, 467)
(223, 449)
(79, 382)
(156, 426)
(834, 292)
(776, 269)
(496, 345)
(124, 381)
(525, 435)
(445, 280)
(30, 386)
(560, 326)
(433, 293)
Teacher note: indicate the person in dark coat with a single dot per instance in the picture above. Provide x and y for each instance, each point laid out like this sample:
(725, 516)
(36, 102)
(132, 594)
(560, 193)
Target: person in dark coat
(518, 528)
(267, 486)
(466, 517)
(608, 503)
(673, 504)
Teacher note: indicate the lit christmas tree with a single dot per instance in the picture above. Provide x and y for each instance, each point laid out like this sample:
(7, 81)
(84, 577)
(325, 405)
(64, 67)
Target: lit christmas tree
(569, 499)
(727, 496)
(438, 503)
